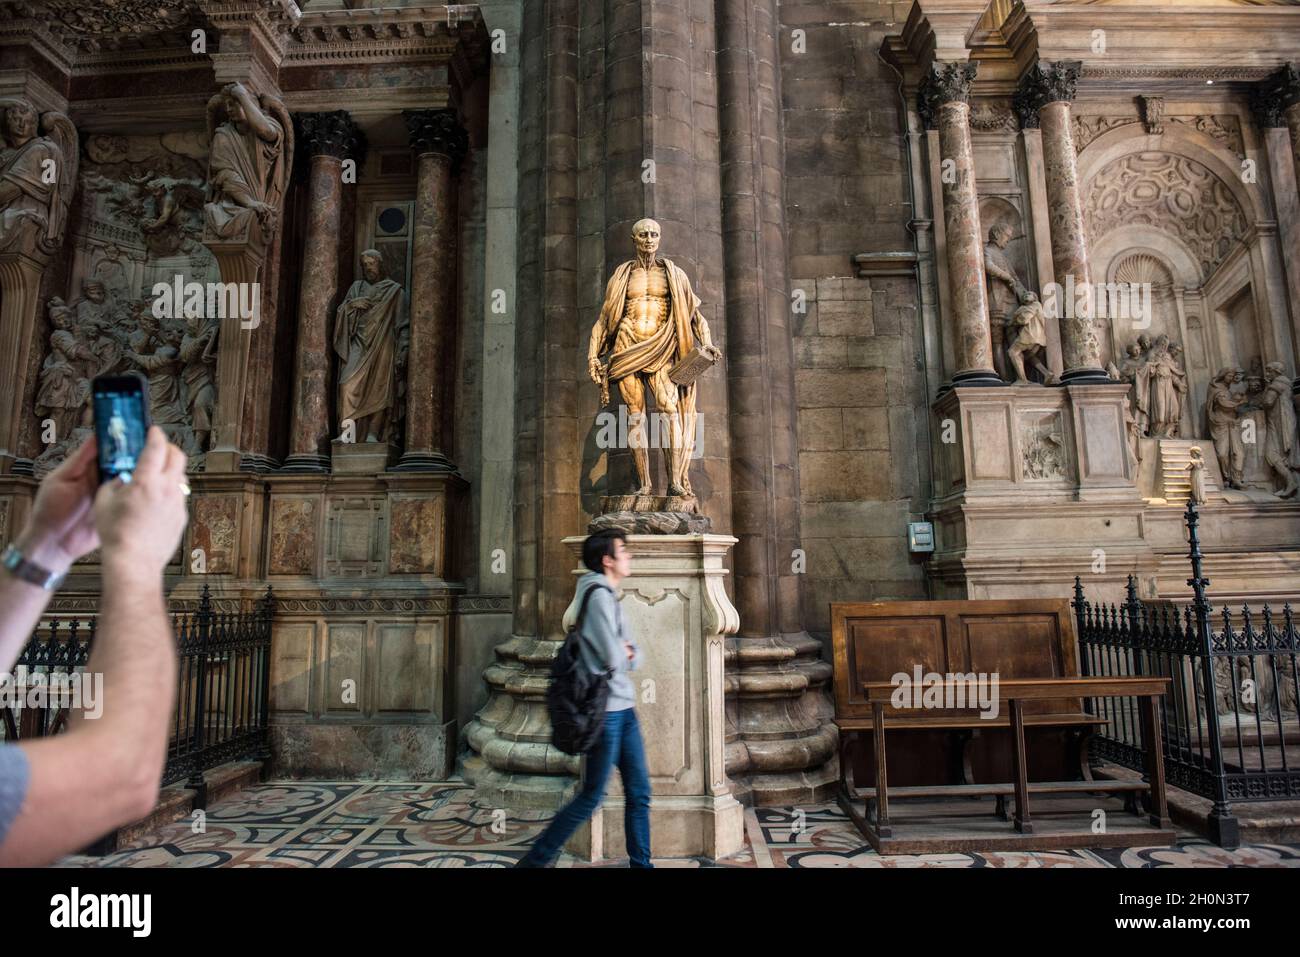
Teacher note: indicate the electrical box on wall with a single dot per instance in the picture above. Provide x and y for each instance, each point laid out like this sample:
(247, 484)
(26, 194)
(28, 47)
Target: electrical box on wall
(920, 537)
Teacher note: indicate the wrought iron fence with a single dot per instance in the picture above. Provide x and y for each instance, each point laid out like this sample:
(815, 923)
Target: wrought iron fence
(1230, 729)
(223, 684)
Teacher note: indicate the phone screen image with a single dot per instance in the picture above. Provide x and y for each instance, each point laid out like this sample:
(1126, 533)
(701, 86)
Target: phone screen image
(121, 421)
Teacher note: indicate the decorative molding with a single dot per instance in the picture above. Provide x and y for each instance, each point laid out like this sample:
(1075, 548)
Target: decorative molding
(873, 265)
(1224, 128)
(992, 117)
(1088, 128)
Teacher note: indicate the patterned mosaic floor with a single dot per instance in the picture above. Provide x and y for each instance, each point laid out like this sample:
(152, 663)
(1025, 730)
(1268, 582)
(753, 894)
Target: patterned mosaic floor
(298, 824)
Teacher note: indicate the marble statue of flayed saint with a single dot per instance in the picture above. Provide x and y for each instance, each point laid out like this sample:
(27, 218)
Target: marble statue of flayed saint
(38, 172)
(366, 340)
(651, 335)
(248, 165)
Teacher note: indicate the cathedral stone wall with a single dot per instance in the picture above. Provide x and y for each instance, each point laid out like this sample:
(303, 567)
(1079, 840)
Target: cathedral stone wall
(860, 383)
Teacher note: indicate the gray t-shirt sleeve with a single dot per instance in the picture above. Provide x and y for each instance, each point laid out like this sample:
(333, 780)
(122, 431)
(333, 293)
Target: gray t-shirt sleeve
(15, 775)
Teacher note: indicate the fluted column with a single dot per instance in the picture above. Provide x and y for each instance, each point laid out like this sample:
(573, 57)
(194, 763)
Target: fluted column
(1044, 99)
(944, 104)
(439, 142)
(328, 139)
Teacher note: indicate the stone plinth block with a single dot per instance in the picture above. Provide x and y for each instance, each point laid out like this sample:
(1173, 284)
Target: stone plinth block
(676, 606)
(361, 458)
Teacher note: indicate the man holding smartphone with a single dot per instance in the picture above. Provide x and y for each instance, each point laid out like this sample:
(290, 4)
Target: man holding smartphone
(59, 794)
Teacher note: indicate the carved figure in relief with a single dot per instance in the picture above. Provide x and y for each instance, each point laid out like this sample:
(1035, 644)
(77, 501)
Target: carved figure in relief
(1161, 386)
(197, 352)
(365, 338)
(248, 166)
(1280, 447)
(37, 177)
(1005, 290)
(649, 324)
(163, 368)
(1221, 407)
(64, 393)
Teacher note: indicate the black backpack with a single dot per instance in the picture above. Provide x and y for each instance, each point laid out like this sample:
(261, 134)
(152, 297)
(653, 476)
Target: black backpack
(576, 698)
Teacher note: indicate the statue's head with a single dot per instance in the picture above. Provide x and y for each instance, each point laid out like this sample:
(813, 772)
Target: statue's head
(19, 123)
(94, 290)
(372, 265)
(1000, 235)
(1145, 342)
(645, 233)
(1195, 453)
(1134, 349)
(1031, 297)
(1274, 369)
(235, 111)
(111, 251)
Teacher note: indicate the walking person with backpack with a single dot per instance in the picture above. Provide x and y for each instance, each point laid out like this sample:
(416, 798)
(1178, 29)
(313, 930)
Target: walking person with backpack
(591, 701)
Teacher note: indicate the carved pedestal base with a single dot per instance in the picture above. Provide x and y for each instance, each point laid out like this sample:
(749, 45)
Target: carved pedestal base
(676, 605)
(685, 504)
(361, 458)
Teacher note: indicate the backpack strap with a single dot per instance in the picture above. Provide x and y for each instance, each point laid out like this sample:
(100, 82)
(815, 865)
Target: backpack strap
(577, 625)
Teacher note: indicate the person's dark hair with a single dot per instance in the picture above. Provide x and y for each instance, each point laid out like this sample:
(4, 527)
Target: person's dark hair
(598, 545)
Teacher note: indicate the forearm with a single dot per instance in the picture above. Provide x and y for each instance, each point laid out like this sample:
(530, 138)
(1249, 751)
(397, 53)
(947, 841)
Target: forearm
(23, 604)
(104, 772)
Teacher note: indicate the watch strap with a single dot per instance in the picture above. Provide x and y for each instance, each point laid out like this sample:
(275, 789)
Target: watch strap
(24, 569)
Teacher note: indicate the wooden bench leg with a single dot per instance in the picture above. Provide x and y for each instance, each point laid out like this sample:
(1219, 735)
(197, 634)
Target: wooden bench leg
(878, 760)
(1018, 761)
(1155, 761)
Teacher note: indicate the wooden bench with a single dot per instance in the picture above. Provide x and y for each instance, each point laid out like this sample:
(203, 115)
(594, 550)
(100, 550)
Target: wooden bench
(1030, 646)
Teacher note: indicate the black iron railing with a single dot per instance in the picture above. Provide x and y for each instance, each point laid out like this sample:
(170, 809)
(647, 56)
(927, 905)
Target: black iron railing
(223, 684)
(1230, 728)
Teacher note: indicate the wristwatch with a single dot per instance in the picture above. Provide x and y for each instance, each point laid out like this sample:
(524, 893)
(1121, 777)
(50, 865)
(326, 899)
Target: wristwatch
(25, 570)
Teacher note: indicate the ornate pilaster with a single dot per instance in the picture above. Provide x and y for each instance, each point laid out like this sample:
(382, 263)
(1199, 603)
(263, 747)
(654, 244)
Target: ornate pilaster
(439, 142)
(944, 102)
(327, 139)
(1045, 94)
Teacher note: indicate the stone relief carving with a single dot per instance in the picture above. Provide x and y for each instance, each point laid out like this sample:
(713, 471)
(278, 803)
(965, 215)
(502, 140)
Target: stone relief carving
(992, 117)
(1222, 405)
(1088, 128)
(1225, 129)
(1169, 192)
(38, 173)
(1152, 109)
(1281, 450)
(1042, 448)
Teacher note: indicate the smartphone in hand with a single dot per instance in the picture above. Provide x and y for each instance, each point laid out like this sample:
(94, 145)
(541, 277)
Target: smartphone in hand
(121, 423)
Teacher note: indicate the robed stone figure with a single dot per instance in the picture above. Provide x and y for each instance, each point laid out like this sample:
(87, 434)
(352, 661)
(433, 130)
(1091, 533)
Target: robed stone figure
(365, 338)
(248, 166)
(37, 176)
(649, 323)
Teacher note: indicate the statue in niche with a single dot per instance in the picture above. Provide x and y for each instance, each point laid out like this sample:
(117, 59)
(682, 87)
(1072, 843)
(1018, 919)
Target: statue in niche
(1280, 447)
(37, 177)
(248, 165)
(651, 333)
(1027, 339)
(365, 338)
(1005, 290)
(1221, 408)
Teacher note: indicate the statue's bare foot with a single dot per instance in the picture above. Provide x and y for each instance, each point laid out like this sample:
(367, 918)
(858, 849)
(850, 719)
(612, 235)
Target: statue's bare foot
(643, 490)
(676, 490)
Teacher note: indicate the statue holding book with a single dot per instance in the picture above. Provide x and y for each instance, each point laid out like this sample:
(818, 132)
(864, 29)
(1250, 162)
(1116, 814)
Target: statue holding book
(651, 334)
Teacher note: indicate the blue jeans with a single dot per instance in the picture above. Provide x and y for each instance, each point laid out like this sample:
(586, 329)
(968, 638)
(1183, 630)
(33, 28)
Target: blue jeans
(619, 744)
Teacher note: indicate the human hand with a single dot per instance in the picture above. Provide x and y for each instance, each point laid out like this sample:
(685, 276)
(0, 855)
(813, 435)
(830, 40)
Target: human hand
(711, 351)
(140, 521)
(595, 369)
(62, 525)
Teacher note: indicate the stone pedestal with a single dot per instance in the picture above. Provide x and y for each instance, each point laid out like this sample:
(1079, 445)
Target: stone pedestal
(675, 604)
(361, 458)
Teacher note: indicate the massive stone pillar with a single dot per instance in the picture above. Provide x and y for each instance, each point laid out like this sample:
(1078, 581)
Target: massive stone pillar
(439, 142)
(1044, 99)
(944, 103)
(1276, 105)
(328, 139)
(781, 743)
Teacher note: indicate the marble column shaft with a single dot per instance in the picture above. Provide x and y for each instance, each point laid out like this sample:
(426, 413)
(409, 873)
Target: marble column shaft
(310, 430)
(944, 97)
(439, 142)
(1048, 90)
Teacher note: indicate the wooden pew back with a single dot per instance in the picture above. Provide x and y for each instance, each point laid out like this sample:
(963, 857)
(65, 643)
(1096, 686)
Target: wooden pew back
(1014, 638)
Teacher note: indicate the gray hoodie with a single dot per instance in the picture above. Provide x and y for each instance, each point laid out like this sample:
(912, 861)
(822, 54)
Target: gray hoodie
(603, 634)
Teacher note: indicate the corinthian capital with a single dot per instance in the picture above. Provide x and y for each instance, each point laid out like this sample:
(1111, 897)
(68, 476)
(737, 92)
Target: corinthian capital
(329, 134)
(945, 83)
(1272, 96)
(436, 131)
(1045, 83)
